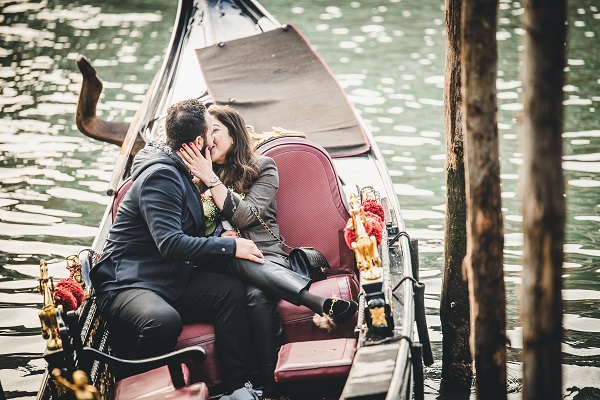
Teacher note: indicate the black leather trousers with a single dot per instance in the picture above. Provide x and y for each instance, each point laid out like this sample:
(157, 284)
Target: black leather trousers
(273, 277)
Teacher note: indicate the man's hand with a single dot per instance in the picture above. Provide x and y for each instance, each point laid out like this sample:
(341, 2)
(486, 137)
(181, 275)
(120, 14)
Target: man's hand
(246, 249)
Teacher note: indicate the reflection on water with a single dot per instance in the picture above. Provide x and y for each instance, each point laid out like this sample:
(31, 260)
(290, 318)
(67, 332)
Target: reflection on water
(389, 58)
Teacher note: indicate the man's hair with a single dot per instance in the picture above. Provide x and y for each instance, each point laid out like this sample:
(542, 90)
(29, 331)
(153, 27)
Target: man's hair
(186, 120)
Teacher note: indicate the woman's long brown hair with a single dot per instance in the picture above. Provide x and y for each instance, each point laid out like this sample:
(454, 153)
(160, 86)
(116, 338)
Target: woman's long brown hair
(239, 170)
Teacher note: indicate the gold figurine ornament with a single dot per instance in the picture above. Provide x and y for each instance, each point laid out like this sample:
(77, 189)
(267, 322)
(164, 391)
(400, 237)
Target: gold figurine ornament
(74, 267)
(365, 246)
(81, 385)
(368, 193)
(48, 313)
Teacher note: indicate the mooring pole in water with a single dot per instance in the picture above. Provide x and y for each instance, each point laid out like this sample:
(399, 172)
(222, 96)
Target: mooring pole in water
(485, 240)
(457, 363)
(543, 197)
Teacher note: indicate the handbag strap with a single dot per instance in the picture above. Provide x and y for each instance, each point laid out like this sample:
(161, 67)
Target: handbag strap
(255, 212)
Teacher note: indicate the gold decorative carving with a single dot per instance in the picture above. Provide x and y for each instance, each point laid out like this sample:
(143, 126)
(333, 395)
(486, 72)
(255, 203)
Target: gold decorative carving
(48, 313)
(105, 382)
(74, 267)
(368, 193)
(260, 138)
(93, 331)
(378, 316)
(365, 246)
(81, 385)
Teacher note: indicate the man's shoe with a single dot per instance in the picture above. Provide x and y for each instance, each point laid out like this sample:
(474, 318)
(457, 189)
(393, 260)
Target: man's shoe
(245, 393)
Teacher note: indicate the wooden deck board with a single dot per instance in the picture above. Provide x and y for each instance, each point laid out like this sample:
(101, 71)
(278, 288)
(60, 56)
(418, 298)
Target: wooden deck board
(371, 372)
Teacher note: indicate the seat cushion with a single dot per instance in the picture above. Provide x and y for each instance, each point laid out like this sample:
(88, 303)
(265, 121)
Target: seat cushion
(320, 359)
(118, 197)
(157, 384)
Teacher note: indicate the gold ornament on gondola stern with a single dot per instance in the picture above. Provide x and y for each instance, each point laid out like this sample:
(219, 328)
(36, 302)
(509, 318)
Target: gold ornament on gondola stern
(378, 316)
(74, 267)
(364, 246)
(48, 313)
(277, 132)
(81, 387)
(368, 193)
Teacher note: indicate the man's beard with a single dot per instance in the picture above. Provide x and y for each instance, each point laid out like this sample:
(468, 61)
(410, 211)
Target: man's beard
(203, 150)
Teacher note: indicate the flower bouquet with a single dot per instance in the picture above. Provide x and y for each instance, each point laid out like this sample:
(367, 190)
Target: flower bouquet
(212, 214)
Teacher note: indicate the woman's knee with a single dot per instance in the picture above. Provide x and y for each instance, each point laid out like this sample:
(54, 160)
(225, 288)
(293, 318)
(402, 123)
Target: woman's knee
(257, 297)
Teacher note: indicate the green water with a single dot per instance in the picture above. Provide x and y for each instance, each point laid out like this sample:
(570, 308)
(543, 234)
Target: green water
(388, 56)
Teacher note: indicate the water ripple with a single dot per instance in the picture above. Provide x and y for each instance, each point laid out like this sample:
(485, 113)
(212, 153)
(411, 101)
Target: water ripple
(21, 248)
(21, 217)
(59, 230)
(582, 324)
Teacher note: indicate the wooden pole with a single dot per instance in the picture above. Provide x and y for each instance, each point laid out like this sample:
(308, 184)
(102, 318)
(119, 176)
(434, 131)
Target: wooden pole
(485, 241)
(543, 199)
(457, 368)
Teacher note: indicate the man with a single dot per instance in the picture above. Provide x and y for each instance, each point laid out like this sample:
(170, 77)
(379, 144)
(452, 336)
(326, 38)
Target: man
(154, 272)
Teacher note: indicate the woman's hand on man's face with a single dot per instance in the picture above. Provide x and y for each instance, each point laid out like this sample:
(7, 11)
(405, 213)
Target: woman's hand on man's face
(198, 164)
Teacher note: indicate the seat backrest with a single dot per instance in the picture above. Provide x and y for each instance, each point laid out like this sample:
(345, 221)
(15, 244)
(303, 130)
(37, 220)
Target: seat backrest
(118, 197)
(311, 205)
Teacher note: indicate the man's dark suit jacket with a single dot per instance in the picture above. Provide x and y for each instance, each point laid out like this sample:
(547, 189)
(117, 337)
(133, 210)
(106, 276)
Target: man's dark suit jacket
(158, 233)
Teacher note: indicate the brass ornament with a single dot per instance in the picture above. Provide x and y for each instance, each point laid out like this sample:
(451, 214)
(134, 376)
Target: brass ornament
(48, 313)
(260, 138)
(74, 267)
(378, 316)
(365, 246)
(368, 193)
(81, 387)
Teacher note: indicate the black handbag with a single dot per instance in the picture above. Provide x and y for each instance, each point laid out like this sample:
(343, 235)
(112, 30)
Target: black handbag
(306, 261)
(309, 262)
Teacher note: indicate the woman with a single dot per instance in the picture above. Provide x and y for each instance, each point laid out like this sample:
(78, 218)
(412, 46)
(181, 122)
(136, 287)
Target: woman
(230, 165)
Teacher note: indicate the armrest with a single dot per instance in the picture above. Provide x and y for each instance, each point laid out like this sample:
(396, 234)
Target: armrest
(193, 354)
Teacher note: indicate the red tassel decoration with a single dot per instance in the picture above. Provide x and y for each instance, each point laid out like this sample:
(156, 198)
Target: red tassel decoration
(69, 294)
(374, 207)
(374, 227)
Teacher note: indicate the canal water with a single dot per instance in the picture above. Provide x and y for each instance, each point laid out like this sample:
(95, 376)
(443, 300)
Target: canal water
(388, 56)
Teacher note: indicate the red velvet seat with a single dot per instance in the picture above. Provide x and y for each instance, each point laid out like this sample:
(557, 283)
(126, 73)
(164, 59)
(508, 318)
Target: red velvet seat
(311, 211)
(118, 197)
(156, 384)
(311, 206)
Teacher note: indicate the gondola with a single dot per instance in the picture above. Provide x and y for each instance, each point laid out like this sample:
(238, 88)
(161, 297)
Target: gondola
(234, 52)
